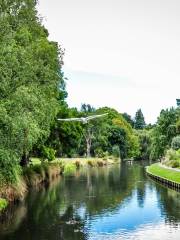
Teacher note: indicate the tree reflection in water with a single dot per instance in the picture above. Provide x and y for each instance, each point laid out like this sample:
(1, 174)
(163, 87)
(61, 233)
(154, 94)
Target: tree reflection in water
(103, 200)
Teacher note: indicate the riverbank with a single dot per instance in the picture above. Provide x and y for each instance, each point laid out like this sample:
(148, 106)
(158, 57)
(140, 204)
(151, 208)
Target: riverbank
(38, 173)
(163, 174)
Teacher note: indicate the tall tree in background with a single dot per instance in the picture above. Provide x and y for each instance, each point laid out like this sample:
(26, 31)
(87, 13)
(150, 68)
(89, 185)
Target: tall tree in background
(139, 122)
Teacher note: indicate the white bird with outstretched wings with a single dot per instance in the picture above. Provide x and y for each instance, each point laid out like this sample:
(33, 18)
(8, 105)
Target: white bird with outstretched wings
(84, 120)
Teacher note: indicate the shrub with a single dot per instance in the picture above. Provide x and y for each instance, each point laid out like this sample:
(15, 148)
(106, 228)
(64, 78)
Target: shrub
(175, 144)
(100, 153)
(9, 166)
(175, 164)
(173, 155)
(48, 153)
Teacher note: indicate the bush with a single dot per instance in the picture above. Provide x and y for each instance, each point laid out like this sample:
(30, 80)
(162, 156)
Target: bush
(173, 155)
(100, 153)
(175, 144)
(175, 164)
(48, 153)
(10, 171)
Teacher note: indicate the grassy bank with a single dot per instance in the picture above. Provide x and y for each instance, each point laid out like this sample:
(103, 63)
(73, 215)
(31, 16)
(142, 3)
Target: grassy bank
(38, 173)
(168, 174)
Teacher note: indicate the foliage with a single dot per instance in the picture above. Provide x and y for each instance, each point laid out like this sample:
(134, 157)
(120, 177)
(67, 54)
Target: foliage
(9, 170)
(139, 122)
(175, 144)
(163, 133)
(173, 155)
(144, 144)
(99, 153)
(174, 164)
(48, 153)
(97, 138)
(3, 204)
(31, 83)
(66, 137)
(125, 138)
(129, 119)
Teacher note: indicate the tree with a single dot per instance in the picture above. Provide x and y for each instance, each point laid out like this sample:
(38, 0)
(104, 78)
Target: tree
(87, 108)
(178, 102)
(139, 122)
(128, 118)
(163, 132)
(144, 144)
(31, 81)
(175, 143)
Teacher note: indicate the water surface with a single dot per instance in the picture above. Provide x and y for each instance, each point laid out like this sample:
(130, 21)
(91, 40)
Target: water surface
(117, 202)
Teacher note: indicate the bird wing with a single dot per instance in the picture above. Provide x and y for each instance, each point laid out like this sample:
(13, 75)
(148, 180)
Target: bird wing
(69, 119)
(96, 116)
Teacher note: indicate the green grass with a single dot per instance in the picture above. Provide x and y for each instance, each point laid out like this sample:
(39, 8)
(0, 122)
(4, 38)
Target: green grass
(157, 170)
(82, 161)
(3, 204)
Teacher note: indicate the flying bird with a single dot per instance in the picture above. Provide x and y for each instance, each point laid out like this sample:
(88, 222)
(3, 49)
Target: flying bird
(84, 120)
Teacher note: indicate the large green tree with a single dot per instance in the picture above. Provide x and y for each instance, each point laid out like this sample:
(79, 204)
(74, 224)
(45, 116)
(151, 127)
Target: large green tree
(164, 131)
(31, 81)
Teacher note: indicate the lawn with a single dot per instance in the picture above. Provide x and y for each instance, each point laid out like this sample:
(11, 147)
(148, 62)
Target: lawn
(157, 170)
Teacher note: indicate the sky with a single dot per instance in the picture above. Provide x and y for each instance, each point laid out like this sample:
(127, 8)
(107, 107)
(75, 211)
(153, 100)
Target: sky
(123, 54)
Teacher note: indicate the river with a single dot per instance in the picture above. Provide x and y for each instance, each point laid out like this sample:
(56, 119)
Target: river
(110, 203)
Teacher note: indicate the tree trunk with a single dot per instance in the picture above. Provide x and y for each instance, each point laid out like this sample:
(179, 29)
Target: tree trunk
(88, 148)
(25, 157)
(24, 160)
(88, 138)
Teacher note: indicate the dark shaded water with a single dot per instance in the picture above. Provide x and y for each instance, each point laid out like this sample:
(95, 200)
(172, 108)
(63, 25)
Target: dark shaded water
(117, 202)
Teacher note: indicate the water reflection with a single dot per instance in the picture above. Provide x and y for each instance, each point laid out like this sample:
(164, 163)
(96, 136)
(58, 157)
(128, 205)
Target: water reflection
(117, 202)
